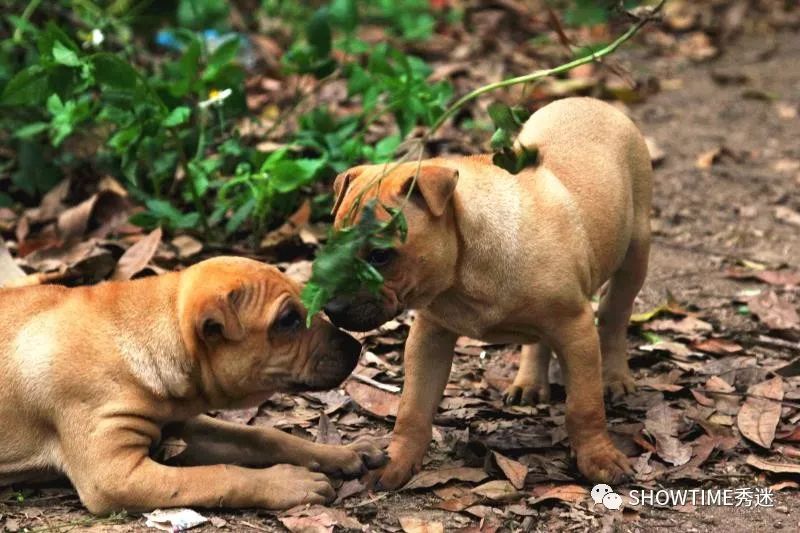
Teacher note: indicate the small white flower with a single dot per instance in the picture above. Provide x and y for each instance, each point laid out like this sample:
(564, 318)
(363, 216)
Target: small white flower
(96, 38)
(215, 97)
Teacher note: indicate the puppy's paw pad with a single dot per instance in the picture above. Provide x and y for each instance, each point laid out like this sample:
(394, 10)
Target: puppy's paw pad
(372, 455)
(527, 394)
(394, 476)
(604, 464)
(298, 486)
(617, 385)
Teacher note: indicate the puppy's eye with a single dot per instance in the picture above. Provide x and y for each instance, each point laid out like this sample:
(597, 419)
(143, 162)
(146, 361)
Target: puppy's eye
(289, 320)
(380, 256)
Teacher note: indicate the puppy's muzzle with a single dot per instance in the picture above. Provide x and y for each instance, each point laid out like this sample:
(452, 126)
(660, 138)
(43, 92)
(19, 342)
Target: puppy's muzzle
(333, 361)
(363, 313)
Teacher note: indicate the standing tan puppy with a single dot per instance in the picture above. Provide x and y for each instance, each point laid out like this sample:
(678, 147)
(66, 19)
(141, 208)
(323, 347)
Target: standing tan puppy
(92, 376)
(515, 259)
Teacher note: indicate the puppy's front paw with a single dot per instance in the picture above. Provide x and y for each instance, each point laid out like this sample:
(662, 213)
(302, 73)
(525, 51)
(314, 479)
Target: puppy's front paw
(527, 394)
(288, 485)
(351, 460)
(602, 462)
(395, 475)
(618, 384)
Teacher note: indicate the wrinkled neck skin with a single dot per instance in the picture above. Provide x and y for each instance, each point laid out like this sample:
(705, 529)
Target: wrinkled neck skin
(437, 268)
(149, 338)
(160, 347)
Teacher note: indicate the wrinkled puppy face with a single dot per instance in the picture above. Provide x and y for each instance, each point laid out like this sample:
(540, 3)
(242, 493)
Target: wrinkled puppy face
(414, 271)
(248, 328)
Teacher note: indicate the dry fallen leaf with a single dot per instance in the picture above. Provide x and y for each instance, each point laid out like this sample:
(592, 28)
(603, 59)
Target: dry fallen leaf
(564, 493)
(787, 215)
(317, 519)
(137, 256)
(8, 268)
(498, 490)
(720, 391)
(378, 402)
(170, 447)
(458, 504)
(662, 424)
(686, 324)
(83, 259)
(707, 159)
(775, 312)
(327, 432)
(186, 246)
(513, 470)
(240, 416)
(430, 478)
(759, 416)
(772, 277)
(417, 524)
(100, 214)
(773, 466)
(717, 346)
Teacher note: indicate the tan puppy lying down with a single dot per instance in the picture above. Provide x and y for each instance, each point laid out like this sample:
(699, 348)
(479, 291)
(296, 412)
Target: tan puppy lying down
(515, 259)
(91, 376)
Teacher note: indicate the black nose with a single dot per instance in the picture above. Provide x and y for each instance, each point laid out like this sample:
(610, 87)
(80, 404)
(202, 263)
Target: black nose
(336, 306)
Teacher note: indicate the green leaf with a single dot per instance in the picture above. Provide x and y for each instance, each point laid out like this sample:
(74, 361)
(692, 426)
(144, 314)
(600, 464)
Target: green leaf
(176, 117)
(124, 138)
(650, 337)
(338, 269)
(112, 71)
(188, 66)
(318, 33)
(31, 130)
(163, 210)
(225, 52)
(54, 104)
(287, 176)
(515, 161)
(28, 87)
(385, 148)
(501, 139)
(65, 56)
(314, 298)
(240, 215)
(503, 117)
(344, 14)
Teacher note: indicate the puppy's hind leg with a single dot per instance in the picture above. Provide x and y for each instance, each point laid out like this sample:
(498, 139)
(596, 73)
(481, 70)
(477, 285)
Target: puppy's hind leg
(615, 312)
(531, 385)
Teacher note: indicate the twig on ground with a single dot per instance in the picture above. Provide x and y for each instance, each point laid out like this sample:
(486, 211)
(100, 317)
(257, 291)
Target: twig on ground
(377, 384)
(773, 341)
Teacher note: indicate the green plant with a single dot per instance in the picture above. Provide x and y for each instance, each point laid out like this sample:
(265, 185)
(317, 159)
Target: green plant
(163, 125)
(345, 271)
(342, 251)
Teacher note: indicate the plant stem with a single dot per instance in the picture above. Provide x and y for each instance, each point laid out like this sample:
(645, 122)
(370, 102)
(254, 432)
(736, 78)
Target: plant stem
(539, 74)
(201, 147)
(527, 78)
(29, 9)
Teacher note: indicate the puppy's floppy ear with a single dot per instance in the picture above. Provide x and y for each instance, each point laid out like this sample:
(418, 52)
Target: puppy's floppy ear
(217, 317)
(436, 185)
(340, 186)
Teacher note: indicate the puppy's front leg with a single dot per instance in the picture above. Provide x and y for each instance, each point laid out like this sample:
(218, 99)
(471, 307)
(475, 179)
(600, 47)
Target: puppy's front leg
(212, 441)
(112, 472)
(427, 361)
(576, 342)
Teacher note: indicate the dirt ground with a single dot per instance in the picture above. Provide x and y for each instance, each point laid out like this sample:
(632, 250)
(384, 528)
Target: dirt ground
(705, 220)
